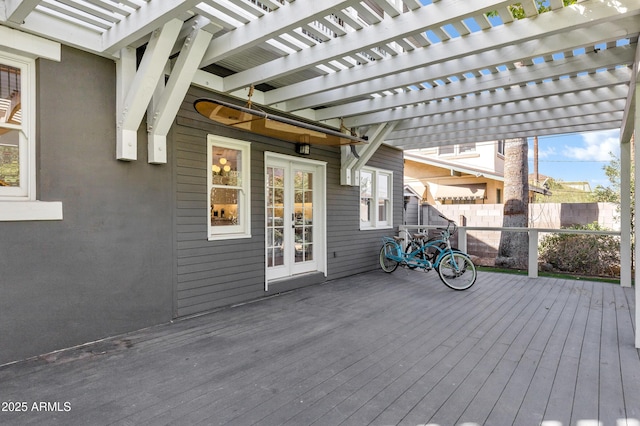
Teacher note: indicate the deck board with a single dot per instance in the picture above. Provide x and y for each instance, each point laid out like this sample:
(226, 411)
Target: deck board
(372, 349)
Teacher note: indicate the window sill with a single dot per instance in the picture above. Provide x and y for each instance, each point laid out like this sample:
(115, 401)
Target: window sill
(22, 211)
(375, 228)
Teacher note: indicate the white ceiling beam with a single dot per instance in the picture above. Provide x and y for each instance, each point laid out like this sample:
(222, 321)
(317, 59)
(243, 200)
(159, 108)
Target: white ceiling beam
(136, 92)
(145, 20)
(485, 133)
(518, 76)
(581, 99)
(567, 87)
(542, 129)
(510, 116)
(70, 35)
(507, 43)
(506, 55)
(163, 110)
(404, 25)
(283, 20)
(28, 45)
(16, 11)
(593, 127)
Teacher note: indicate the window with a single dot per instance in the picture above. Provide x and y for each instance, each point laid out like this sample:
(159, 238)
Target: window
(376, 197)
(457, 149)
(501, 147)
(14, 130)
(17, 143)
(229, 188)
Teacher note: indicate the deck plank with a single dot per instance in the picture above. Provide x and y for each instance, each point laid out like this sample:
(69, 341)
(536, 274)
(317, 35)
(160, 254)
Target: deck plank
(375, 348)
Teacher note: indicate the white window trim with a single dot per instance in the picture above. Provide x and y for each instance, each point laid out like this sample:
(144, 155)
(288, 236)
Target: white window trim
(375, 223)
(22, 204)
(243, 230)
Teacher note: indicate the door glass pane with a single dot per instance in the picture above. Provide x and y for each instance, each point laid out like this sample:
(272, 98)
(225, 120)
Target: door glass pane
(9, 157)
(275, 216)
(303, 215)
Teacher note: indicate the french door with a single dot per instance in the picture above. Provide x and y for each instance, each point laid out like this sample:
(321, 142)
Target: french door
(295, 218)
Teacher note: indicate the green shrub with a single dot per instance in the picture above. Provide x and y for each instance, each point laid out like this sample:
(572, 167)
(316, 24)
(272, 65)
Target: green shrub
(591, 255)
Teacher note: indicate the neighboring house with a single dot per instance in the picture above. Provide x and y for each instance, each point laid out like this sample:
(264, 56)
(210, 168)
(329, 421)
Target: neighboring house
(459, 174)
(93, 246)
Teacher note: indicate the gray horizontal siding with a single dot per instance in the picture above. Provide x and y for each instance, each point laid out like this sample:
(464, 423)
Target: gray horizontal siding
(212, 274)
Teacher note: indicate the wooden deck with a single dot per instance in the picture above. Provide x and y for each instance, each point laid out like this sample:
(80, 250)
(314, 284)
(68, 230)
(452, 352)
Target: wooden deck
(399, 349)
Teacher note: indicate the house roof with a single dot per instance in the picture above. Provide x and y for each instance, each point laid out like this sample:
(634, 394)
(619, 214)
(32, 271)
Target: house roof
(442, 72)
(454, 166)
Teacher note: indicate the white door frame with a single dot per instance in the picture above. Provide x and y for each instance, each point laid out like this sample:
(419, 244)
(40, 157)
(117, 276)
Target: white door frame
(319, 208)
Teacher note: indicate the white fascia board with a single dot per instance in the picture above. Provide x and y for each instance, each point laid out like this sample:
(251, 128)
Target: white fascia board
(28, 45)
(558, 31)
(569, 66)
(567, 87)
(280, 21)
(165, 110)
(17, 10)
(145, 20)
(410, 68)
(404, 25)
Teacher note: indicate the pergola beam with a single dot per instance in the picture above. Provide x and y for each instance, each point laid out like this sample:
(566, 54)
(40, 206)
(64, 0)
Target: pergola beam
(567, 88)
(280, 21)
(569, 67)
(163, 110)
(504, 44)
(135, 88)
(405, 25)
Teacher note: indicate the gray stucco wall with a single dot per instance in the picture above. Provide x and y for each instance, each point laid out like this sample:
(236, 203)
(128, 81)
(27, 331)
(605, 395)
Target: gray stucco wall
(107, 267)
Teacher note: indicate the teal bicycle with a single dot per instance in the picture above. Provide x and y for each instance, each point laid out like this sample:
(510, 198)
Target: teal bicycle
(455, 268)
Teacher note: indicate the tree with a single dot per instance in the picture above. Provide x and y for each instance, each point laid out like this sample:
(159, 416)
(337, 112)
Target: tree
(514, 246)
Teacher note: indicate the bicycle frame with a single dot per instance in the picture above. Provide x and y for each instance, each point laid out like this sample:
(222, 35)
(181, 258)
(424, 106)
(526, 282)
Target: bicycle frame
(455, 268)
(418, 258)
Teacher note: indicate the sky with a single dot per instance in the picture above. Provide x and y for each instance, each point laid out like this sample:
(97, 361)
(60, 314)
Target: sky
(577, 156)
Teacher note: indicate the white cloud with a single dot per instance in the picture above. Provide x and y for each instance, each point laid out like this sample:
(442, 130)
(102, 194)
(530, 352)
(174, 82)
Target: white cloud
(595, 146)
(548, 152)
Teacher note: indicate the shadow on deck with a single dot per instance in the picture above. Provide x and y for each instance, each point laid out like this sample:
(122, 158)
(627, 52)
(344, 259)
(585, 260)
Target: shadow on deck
(369, 349)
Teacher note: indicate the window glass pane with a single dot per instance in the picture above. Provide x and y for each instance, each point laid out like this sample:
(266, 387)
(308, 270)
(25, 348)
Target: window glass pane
(10, 93)
(9, 157)
(226, 166)
(225, 205)
(383, 186)
(383, 206)
(470, 147)
(446, 150)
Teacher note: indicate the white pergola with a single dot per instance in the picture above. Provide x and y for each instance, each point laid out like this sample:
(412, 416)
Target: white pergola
(408, 73)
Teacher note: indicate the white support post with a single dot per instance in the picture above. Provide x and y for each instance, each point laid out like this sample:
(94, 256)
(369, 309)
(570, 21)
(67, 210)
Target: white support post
(625, 213)
(126, 148)
(166, 100)
(462, 239)
(533, 253)
(637, 197)
(351, 165)
(134, 93)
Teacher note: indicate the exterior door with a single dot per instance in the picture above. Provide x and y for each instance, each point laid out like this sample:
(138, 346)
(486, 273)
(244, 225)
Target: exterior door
(295, 217)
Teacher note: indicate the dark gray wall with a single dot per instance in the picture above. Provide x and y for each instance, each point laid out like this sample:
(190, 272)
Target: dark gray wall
(106, 268)
(211, 274)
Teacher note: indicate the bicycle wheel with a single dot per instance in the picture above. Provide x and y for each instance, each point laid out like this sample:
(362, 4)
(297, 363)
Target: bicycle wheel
(457, 271)
(387, 265)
